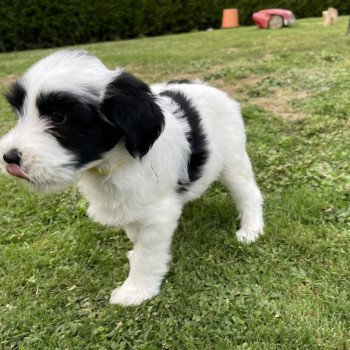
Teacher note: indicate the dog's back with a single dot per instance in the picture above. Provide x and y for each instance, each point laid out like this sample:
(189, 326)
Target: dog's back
(221, 123)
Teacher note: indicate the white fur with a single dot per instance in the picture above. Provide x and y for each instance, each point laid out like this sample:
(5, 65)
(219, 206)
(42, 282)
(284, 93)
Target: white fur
(139, 195)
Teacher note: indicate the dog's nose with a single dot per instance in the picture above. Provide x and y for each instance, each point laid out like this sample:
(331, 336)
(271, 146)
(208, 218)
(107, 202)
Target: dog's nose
(13, 156)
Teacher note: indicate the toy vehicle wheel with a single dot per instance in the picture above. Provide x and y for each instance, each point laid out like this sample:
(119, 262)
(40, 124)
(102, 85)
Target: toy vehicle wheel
(276, 22)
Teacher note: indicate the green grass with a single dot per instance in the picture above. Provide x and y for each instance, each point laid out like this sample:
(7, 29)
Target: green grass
(289, 290)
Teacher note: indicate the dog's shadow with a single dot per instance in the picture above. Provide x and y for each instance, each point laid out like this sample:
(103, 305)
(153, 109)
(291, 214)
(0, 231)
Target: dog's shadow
(205, 238)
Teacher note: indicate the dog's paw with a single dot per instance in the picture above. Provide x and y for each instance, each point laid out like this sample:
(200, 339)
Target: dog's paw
(248, 236)
(129, 295)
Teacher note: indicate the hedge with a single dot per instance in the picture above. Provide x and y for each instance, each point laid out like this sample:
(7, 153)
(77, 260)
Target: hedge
(26, 24)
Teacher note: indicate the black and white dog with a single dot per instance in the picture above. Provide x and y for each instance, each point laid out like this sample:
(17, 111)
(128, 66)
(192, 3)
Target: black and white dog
(137, 152)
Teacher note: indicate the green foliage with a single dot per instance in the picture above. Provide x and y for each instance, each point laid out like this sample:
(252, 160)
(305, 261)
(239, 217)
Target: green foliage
(26, 24)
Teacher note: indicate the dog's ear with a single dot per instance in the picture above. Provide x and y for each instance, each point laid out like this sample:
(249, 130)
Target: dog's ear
(129, 104)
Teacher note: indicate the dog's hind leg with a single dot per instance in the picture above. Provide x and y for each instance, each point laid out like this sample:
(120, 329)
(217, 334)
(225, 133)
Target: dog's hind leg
(238, 177)
(148, 260)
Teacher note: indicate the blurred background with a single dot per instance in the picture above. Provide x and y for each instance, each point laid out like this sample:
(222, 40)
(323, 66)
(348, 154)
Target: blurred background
(28, 24)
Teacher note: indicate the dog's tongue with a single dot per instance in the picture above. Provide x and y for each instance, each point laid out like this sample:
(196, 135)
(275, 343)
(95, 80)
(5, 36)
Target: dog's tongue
(15, 170)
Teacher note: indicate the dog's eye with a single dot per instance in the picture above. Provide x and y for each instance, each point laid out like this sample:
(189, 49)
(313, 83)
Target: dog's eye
(58, 117)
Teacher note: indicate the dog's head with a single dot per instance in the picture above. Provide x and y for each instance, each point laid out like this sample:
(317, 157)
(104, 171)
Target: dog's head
(71, 111)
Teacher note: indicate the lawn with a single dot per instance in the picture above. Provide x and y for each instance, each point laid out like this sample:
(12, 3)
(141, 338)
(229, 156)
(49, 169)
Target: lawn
(289, 290)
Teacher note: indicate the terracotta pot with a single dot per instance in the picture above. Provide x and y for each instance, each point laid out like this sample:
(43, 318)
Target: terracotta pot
(230, 18)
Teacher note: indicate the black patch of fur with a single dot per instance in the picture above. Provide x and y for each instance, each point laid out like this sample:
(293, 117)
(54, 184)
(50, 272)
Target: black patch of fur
(16, 96)
(83, 129)
(130, 105)
(180, 81)
(196, 138)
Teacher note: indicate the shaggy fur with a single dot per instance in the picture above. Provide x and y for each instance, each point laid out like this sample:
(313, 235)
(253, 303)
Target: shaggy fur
(137, 152)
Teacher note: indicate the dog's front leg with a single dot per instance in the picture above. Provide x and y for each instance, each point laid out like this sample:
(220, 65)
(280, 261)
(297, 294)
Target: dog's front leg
(148, 264)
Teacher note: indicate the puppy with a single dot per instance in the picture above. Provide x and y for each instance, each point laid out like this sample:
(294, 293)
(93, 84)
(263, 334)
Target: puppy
(137, 152)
